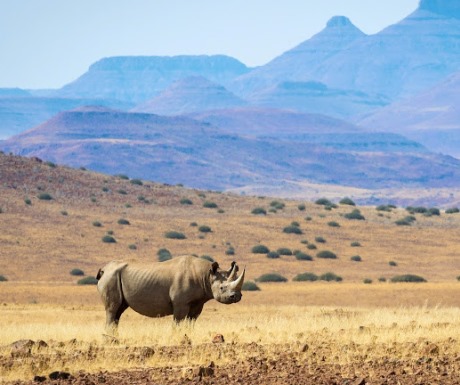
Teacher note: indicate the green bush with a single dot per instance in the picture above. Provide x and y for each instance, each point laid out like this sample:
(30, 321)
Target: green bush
(186, 201)
(458, 278)
(122, 192)
(284, 251)
(122, 176)
(97, 224)
(311, 246)
(164, 255)
(326, 254)
(108, 239)
(175, 235)
(3, 278)
(356, 258)
(320, 240)
(260, 249)
(27, 201)
(433, 211)
(367, 281)
(300, 256)
(333, 224)
(453, 210)
(355, 214)
(301, 207)
(136, 182)
(408, 278)
(292, 230)
(45, 197)
(323, 202)
(193, 224)
(207, 257)
(65, 213)
(230, 251)
(132, 246)
(407, 221)
(330, 277)
(77, 272)
(273, 255)
(259, 211)
(417, 210)
(210, 205)
(204, 229)
(386, 208)
(50, 164)
(123, 221)
(277, 205)
(347, 201)
(250, 286)
(271, 277)
(355, 244)
(304, 277)
(87, 281)
(392, 263)
(382, 279)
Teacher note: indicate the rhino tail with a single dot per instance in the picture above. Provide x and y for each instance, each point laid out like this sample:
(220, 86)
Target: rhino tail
(99, 275)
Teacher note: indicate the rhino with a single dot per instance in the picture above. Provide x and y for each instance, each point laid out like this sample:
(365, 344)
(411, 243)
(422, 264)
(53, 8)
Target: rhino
(180, 286)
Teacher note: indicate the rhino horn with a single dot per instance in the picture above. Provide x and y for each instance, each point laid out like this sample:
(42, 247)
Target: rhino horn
(238, 284)
(232, 272)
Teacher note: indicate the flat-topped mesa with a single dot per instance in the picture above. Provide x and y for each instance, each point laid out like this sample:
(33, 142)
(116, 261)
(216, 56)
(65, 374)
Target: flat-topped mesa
(449, 8)
(339, 21)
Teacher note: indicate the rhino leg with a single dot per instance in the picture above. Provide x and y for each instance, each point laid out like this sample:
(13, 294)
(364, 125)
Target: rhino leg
(195, 311)
(180, 312)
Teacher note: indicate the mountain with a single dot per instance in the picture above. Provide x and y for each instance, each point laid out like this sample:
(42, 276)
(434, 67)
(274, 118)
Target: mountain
(432, 117)
(19, 111)
(136, 79)
(182, 150)
(316, 97)
(399, 61)
(191, 94)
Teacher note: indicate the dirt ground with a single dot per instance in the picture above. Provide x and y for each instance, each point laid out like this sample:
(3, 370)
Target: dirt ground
(282, 364)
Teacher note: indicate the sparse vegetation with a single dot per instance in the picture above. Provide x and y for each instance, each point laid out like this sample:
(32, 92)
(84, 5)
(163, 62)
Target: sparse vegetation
(97, 224)
(301, 207)
(273, 255)
(250, 286)
(122, 192)
(132, 246)
(108, 239)
(347, 201)
(392, 263)
(301, 256)
(260, 249)
(333, 224)
(320, 240)
(453, 210)
(329, 277)
(45, 197)
(259, 211)
(175, 235)
(137, 182)
(407, 221)
(208, 258)
(356, 258)
(292, 230)
(230, 251)
(367, 281)
(123, 221)
(210, 205)
(326, 254)
(204, 229)
(164, 255)
(90, 280)
(186, 201)
(355, 215)
(271, 277)
(284, 251)
(77, 272)
(3, 278)
(408, 278)
(27, 201)
(355, 244)
(305, 277)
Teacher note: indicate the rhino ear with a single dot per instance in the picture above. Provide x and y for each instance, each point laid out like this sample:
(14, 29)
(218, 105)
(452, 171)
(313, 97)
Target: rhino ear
(215, 266)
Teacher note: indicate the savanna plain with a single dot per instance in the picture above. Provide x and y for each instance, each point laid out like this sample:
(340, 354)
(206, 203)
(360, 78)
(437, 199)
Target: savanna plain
(335, 320)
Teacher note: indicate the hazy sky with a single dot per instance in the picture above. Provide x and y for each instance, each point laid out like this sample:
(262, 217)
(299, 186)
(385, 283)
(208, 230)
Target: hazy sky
(48, 43)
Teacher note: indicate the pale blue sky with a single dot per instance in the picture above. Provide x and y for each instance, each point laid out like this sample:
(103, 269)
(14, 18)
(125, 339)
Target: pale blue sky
(48, 43)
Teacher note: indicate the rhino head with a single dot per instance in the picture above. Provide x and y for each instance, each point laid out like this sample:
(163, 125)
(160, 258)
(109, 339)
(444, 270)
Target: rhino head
(226, 285)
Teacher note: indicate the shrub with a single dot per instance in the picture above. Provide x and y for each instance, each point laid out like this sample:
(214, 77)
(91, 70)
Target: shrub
(326, 254)
(210, 205)
(300, 256)
(323, 202)
(271, 277)
(208, 258)
(330, 277)
(311, 246)
(333, 224)
(250, 286)
(355, 244)
(367, 281)
(65, 213)
(417, 210)
(320, 240)
(453, 210)
(347, 201)
(193, 224)
(164, 255)
(408, 278)
(122, 192)
(230, 251)
(259, 211)
(355, 214)
(301, 207)
(137, 182)
(45, 197)
(277, 205)
(392, 263)
(433, 211)
(204, 229)
(458, 278)
(132, 246)
(97, 224)
(123, 221)
(105, 189)
(407, 221)
(284, 251)
(382, 279)
(292, 230)
(77, 272)
(273, 255)
(110, 232)
(356, 258)
(122, 176)
(186, 201)
(50, 164)
(87, 281)
(27, 201)
(386, 208)
(303, 277)
(175, 235)
(108, 239)
(3, 278)
(260, 249)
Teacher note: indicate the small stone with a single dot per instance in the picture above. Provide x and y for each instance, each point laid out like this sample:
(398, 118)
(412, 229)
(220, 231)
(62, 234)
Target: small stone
(218, 339)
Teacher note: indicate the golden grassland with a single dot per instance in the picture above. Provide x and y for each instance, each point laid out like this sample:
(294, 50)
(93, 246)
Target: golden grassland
(265, 324)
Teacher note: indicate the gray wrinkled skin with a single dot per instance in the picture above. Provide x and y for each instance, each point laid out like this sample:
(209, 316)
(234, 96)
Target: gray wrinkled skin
(180, 286)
